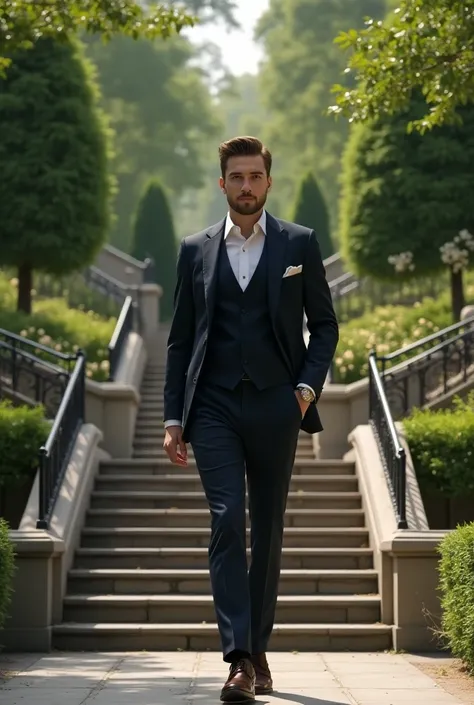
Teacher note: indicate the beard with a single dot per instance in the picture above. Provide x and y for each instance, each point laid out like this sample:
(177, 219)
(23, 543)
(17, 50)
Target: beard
(249, 207)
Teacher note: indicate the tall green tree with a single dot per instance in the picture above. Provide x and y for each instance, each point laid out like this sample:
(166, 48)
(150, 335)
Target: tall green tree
(302, 64)
(310, 210)
(427, 46)
(55, 188)
(154, 237)
(407, 194)
(162, 114)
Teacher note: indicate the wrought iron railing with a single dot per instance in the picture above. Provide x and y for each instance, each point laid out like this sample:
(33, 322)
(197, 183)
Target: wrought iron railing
(420, 373)
(352, 296)
(415, 376)
(391, 450)
(33, 373)
(123, 328)
(54, 456)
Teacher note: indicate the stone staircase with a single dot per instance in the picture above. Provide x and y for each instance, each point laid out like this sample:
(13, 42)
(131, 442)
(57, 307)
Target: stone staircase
(140, 578)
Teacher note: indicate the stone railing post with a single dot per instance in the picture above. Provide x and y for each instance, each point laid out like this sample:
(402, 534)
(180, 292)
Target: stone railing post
(149, 296)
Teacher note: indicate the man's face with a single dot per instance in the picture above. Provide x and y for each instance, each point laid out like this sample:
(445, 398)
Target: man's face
(246, 184)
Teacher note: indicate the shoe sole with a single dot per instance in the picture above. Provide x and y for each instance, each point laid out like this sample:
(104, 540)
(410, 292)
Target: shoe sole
(263, 691)
(237, 696)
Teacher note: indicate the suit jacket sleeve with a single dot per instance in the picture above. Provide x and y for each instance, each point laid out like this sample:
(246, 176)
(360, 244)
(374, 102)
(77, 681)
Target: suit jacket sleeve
(181, 338)
(322, 323)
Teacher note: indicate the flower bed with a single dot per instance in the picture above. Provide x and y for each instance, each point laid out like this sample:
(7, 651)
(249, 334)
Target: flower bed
(386, 329)
(64, 329)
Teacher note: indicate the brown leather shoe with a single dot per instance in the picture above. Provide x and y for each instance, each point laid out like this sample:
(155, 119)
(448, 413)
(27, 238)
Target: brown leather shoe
(240, 685)
(263, 677)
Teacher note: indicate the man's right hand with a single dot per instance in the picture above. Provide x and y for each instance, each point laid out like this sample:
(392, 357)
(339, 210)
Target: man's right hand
(175, 447)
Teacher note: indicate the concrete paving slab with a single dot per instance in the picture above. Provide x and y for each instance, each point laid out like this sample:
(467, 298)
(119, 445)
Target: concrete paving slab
(43, 696)
(186, 678)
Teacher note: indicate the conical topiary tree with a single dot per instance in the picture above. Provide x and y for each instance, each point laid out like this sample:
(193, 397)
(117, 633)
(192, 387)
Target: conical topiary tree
(154, 237)
(54, 185)
(310, 210)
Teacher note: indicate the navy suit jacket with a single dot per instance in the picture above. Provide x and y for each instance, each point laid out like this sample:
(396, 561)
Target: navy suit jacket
(289, 299)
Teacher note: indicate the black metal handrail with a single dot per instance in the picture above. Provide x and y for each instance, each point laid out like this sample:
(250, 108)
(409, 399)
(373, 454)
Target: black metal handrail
(353, 296)
(54, 456)
(391, 450)
(106, 285)
(444, 361)
(30, 372)
(123, 328)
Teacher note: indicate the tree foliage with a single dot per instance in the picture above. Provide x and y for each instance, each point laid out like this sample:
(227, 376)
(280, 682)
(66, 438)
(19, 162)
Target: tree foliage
(302, 63)
(154, 237)
(22, 22)
(425, 45)
(310, 210)
(162, 115)
(55, 188)
(405, 193)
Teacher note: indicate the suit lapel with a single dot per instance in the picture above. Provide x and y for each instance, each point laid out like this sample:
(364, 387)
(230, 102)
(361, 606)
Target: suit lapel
(277, 242)
(210, 256)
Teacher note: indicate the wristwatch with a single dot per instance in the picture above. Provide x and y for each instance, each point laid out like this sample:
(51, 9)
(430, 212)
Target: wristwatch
(306, 394)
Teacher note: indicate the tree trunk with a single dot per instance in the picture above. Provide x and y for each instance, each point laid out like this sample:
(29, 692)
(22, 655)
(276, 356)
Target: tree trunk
(25, 285)
(458, 300)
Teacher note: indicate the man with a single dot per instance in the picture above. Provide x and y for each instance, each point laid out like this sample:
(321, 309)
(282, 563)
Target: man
(239, 385)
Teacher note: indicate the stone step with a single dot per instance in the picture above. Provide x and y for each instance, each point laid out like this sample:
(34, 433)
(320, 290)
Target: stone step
(196, 500)
(154, 431)
(189, 582)
(150, 537)
(157, 453)
(177, 482)
(201, 517)
(144, 466)
(99, 636)
(190, 558)
(150, 609)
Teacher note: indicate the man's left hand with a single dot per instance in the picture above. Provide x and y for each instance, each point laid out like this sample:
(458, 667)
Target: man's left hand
(304, 405)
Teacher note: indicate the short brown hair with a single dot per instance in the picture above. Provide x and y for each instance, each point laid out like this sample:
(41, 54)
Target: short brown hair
(248, 146)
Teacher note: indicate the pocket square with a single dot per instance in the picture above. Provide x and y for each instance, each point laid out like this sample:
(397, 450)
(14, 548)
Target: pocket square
(291, 271)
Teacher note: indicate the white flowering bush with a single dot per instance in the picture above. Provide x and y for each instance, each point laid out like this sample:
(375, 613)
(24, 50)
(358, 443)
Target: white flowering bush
(63, 329)
(456, 254)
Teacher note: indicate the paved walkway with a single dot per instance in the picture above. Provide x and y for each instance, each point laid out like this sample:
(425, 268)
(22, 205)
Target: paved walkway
(185, 678)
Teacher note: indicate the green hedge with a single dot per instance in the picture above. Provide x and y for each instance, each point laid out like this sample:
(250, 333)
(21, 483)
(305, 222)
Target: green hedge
(7, 567)
(57, 326)
(457, 590)
(23, 430)
(442, 446)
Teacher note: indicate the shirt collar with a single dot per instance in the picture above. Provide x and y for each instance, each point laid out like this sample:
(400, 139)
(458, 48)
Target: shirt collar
(261, 224)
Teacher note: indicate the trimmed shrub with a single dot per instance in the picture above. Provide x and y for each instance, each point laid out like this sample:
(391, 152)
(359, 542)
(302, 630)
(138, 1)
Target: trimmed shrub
(442, 446)
(7, 567)
(23, 430)
(457, 590)
(64, 329)
(310, 210)
(154, 237)
(55, 188)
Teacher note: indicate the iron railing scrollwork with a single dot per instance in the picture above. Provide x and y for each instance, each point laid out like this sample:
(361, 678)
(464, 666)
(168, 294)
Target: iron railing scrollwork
(54, 456)
(391, 450)
(419, 374)
(30, 372)
(353, 296)
(124, 326)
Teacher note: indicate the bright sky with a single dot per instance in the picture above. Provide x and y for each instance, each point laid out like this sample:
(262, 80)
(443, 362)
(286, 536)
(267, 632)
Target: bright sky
(239, 52)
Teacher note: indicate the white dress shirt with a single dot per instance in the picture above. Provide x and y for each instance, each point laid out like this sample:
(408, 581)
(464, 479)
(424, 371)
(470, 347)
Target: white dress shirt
(244, 255)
